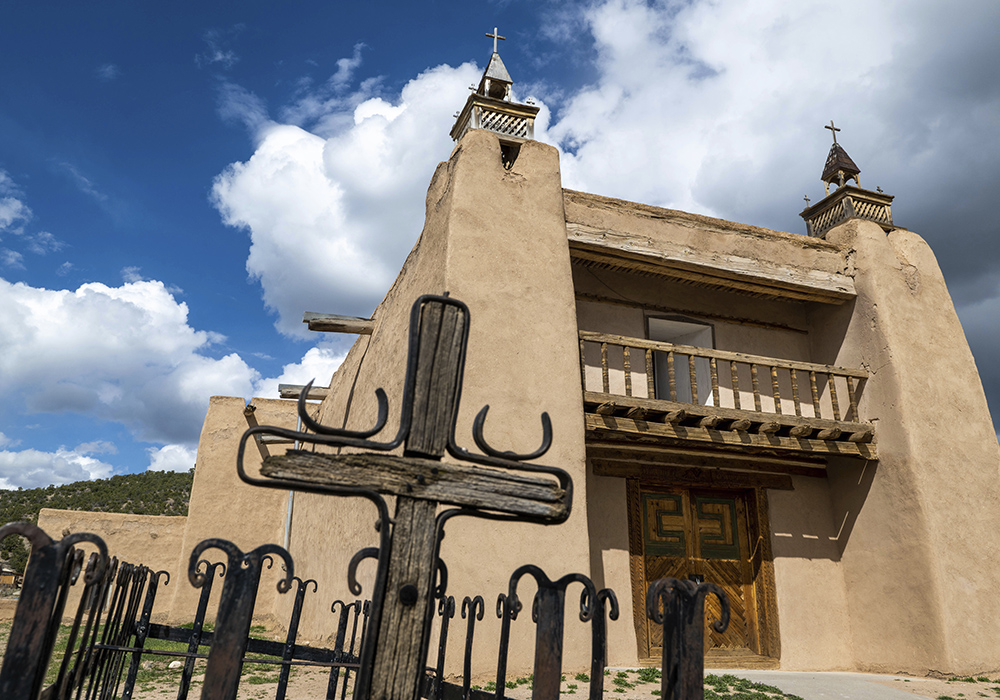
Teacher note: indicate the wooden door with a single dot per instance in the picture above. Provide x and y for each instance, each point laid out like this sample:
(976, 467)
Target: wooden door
(687, 532)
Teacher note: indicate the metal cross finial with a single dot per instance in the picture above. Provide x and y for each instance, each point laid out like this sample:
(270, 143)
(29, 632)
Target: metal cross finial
(494, 36)
(833, 130)
(806, 197)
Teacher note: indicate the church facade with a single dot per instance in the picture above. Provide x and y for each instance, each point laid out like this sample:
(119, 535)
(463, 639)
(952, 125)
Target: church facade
(797, 418)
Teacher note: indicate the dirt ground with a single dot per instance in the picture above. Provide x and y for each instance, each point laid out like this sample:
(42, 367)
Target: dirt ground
(968, 688)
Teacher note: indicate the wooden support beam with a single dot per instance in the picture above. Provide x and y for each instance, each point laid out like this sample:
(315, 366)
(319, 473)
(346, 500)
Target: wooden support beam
(717, 478)
(636, 413)
(829, 434)
(292, 391)
(626, 449)
(607, 425)
(710, 421)
(606, 408)
(248, 413)
(740, 424)
(691, 411)
(769, 427)
(676, 416)
(861, 436)
(801, 431)
(332, 323)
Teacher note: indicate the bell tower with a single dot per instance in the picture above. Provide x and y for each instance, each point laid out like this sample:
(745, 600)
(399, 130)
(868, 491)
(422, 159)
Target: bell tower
(847, 201)
(490, 107)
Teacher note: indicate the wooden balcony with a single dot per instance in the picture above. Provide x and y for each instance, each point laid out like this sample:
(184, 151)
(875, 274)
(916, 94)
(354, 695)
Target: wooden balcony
(678, 393)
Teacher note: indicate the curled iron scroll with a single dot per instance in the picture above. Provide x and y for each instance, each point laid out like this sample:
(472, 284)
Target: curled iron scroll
(664, 588)
(311, 424)
(352, 567)
(587, 603)
(473, 606)
(239, 559)
(480, 439)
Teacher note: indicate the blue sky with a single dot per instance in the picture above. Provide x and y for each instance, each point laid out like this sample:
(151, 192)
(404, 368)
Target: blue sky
(180, 181)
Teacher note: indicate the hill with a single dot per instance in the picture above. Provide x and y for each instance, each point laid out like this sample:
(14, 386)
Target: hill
(148, 493)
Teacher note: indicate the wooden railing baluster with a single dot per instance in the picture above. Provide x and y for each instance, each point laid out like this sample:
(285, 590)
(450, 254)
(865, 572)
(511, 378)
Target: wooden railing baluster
(627, 362)
(583, 364)
(756, 387)
(671, 378)
(715, 381)
(833, 397)
(650, 384)
(694, 379)
(604, 368)
(815, 394)
(775, 392)
(854, 400)
(795, 393)
(734, 371)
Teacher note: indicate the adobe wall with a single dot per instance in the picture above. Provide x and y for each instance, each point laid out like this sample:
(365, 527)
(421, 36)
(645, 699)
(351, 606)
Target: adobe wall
(223, 506)
(919, 529)
(152, 540)
(496, 240)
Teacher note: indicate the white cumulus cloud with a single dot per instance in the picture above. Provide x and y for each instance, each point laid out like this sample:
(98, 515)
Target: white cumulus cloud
(171, 458)
(319, 363)
(331, 218)
(33, 468)
(125, 354)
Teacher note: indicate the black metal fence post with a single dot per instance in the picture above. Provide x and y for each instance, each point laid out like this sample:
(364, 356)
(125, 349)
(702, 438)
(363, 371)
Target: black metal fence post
(446, 609)
(32, 636)
(141, 630)
(599, 644)
(293, 630)
(683, 620)
(474, 608)
(232, 622)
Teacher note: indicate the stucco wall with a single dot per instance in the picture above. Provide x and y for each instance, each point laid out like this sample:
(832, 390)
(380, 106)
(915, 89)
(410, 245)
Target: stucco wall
(223, 506)
(812, 600)
(495, 239)
(920, 526)
(151, 540)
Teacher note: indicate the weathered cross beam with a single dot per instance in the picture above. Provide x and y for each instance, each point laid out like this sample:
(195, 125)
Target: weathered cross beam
(393, 659)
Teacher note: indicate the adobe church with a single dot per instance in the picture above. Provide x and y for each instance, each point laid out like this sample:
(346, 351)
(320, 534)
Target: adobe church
(797, 418)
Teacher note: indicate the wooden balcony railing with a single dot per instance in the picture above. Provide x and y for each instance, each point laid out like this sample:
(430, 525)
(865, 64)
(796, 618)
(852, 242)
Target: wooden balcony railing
(719, 390)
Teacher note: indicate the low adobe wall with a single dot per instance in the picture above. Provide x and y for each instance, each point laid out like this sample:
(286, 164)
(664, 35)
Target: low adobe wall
(152, 540)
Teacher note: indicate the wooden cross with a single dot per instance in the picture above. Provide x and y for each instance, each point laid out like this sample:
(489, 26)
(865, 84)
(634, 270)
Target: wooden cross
(806, 197)
(420, 481)
(833, 130)
(494, 36)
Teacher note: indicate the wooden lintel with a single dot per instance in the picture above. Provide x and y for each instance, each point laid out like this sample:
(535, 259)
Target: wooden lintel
(332, 323)
(745, 440)
(292, 391)
(692, 476)
(627, 448)
(426, 479)
(688, 263)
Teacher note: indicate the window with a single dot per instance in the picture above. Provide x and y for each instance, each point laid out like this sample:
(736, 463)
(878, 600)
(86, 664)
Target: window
(681, 331)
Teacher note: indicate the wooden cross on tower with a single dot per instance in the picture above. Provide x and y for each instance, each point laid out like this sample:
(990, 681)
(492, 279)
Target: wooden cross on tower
(392, 662)
(494, 36)
(833, 130)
